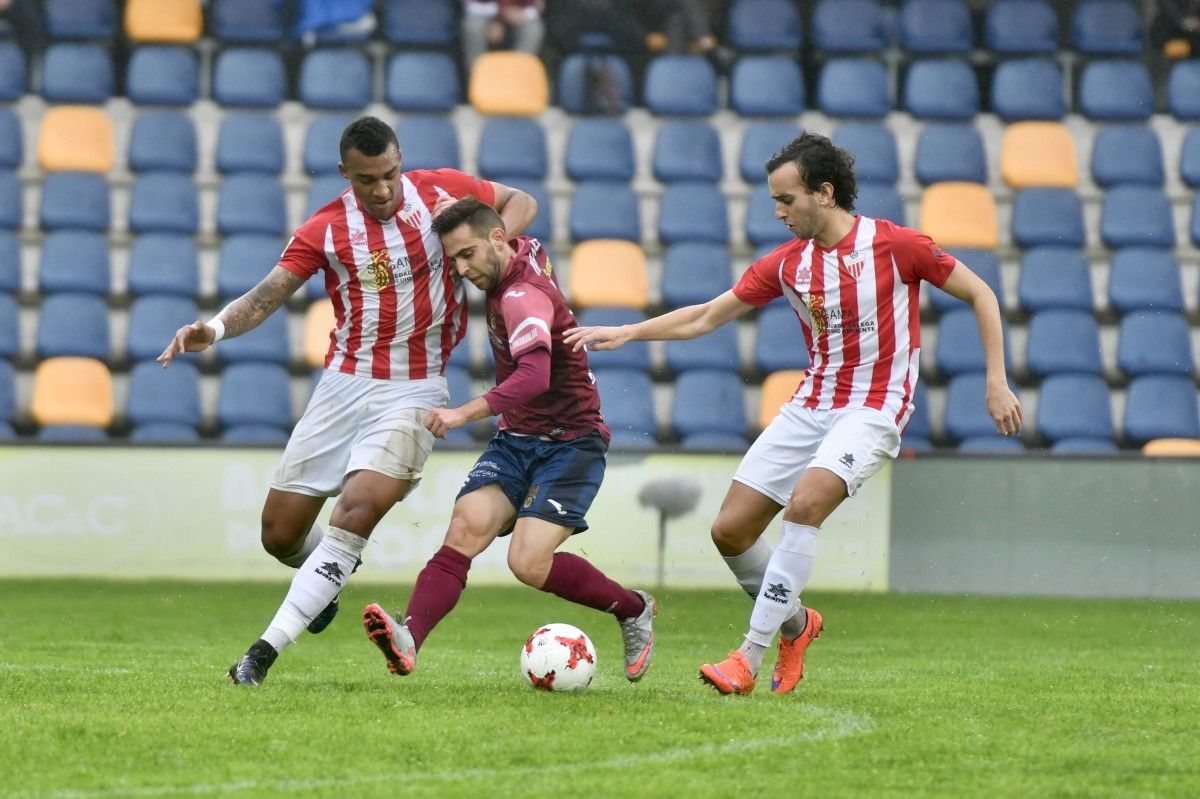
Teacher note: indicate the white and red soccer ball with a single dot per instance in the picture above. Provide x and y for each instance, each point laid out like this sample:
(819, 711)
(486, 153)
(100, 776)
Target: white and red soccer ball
(558, 657)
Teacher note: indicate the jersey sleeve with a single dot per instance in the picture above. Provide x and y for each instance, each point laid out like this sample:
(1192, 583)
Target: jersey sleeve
(919, 258)
(460, 184)
(304, 254)
(760, 284)
(528, 314)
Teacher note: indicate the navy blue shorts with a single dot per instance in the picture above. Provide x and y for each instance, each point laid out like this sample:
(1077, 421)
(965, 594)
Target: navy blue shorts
(551, 480)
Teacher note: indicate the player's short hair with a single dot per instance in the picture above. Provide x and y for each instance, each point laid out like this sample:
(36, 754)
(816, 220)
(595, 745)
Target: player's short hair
(369, 135)
(481, 217)
(820, 161)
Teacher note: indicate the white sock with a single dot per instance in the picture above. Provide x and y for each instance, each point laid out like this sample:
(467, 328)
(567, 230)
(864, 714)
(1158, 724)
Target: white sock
(787, 573)
(315, 585)
(748, 569)
(296, 558)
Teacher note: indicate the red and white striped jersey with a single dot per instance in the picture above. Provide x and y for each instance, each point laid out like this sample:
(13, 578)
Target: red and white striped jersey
(399, 311)
(858, 306)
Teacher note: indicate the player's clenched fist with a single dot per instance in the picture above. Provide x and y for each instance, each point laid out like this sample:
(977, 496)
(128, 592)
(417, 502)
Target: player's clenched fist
(190, 338)
(441, 421)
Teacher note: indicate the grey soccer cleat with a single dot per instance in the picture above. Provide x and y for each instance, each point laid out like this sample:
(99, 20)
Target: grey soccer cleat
(638, 633)
(393, 639)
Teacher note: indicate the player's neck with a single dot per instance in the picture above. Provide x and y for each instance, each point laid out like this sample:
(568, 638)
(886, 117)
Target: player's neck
(838, 223)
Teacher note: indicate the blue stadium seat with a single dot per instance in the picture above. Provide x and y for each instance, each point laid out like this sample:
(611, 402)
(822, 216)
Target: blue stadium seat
(766, 86)
(321, 143)
(249, 78)
(681, 85)
(542, 226)
(714, 442)
(336, 79)
(12, 147)
(10, 331)
(462, 389)
(1047, 216)
(422, 83)
(692, 211)
(267, 343)
(163, 75)
(76, 73)
(764, 25)
(1127, 154)
(421, 23)
(854, 87)
(248, 21)
(244, 261)
(74, 260)
(73, 324)
(1137, 216)
(163, 140)
(716, 350)
(876, 158)
(634, 355)
(14, 74)
(251, 204)
(849, 26)
(71, 434)
(164, 263)
(1189, 159)
(950, 151)
(577, 73)
(1084, 446)
(512, 147)
(322, 191)
(1021, 27)
(8, 397)
(762, 228)
(153, 321)
(686, 150)
(1155, 343)
(1161, 406)
(1107, 27)
(1116, 90)
(428, 142)
(627, 399)
(936, 26)
(599, 149)
(10, 263)
(959, 349)
(254, 434)
(778, 343)
(1028, 88)
(880, 201)
(761, 141)
(694, 273)
(254, 394)
(723, 410)
(164, 202)
(11, 204)
(941, 89)
(76, 200)
(604, 210)
(1195, 226)
(163, 433)
(250, 143)
(982, 263)
(1055, 277)
(1063, 341)
(991, 444)
(966, 408)
(920, 424)
(1145, 279)
(1183, 90)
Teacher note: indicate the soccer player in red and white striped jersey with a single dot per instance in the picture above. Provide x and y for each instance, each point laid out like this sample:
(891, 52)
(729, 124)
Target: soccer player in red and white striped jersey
(399, 310)
(853, 283)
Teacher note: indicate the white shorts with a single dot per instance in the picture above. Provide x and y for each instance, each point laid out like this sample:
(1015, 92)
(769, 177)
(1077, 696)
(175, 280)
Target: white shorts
(354, 423)
(850, 442)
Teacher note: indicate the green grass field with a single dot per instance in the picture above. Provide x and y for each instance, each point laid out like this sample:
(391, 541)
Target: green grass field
(118, 689)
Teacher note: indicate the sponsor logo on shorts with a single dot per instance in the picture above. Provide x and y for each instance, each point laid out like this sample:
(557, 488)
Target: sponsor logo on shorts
(557, 507)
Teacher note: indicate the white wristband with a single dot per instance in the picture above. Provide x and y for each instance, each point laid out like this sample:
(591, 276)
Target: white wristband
(218, 328)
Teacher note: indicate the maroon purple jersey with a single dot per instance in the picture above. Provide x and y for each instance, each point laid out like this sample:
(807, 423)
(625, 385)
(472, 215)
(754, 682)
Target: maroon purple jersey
(526, 310)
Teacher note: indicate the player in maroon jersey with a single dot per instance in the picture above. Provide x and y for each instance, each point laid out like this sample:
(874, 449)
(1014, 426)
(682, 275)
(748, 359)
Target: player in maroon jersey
(538, 476)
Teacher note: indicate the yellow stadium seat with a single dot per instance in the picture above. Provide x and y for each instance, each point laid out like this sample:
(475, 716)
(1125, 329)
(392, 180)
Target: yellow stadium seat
(1038, 154)
(608, 272)
(166, 21)
(72, 391)
(1172, 448)
(509, 83)
(958, 214)
(77, 138)
(777, 389)
(318, 324)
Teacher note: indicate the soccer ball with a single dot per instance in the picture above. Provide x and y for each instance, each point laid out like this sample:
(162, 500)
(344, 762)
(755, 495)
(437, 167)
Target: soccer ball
(558, 657)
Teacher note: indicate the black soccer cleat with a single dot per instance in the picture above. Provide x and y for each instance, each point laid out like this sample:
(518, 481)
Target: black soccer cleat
(251, 668)
(324, 618)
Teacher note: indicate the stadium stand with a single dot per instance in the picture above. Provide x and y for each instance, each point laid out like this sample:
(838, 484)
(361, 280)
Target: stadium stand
(248, 142)
(153, 321)
(506, 83)
(428, 142)
(1172, 448)
(74, 261)
(1189, 159)
(634, 355)
(12, 146)
(14, 73)
(958, 214)
(336, 79)
(950, 152)
(11, 203)
(163, 141)
(1038, 154)
(169, 21)
(251, 204)
(717, 350)
(1116, 90)
(78, 200)
(79, 19)
(72, 391)
(761, 141)
(248, 21)
(1054, 278)
(10, 332)
(578, 75)
(249, 78)
(1145, 279)
(1127, 154)
(164, 263)
(608, 272)
(723, 413)
(163, 75)
(1137, 216)
(686, 150)
(680, 86)
(1183, 90)
(942, 89)
(1047, 216)
(693, 211)
(10, 263)
(849, 26)
(694, 273)
(600, 149)
(876, 156)
(628, 401)
(420, 23)
(764, 26)
(421, 82)
(777, 388)
(1155, 343)
(604, 210)
(982, 263)
(75, 138)
(766, 86)
(1021, 27)
(164, 202)
(1063, 341)
(854, 87)
(1160, 406)
(512, 147)
(1028, 89)
(936, 26)
(1107, 27)
(76, 73)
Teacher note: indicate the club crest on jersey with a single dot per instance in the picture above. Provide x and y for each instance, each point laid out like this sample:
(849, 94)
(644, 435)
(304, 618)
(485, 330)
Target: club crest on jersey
(853, 263)
(377, 274)
(412, 214)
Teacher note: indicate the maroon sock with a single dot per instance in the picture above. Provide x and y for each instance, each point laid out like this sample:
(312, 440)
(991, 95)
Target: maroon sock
(574, 579)
(439, 585)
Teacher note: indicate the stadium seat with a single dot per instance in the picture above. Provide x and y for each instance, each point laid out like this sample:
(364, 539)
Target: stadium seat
(627, 398)
(163, 433)
(164, 263)
(428, 142)
(164, 202)
(508, 83)
(766, 86)
(634, 355)
(512, 147)
(71, 434)
(319, 322)
(1107, 27)
(249, 78)
(1127, 154)
(1116, 90)
(1084, 446)
(686, 150)
(1021, 27)
(12, 146)
(250, 143)
(254, 434)
(880, 201)
(321, 144)
(1145, 279)
(762, 228)
(251, 204)
(680, 85)
(425, 83)
(1183, 90)
(75, 138)
(991, 444)
(1194, 231)
(599, 149)
(10, 263)
(1155, 343)
(982, 263)
(723, 410)
(14, 74)
(604, 210)
(959, 348)
(764, 25)
(849, 26)
(244, 261)
(254, 394)
(541, 227)
(876, 157)
(716, 350)
(1054, 278)
(249, 21)
(11, 204)
(72, 323)
(74, 200)
(1047, 216)
(8, 397)
(966, 409)
(950, 152)
(1028, 88)
(420, 23)
(957, 214)
(941, 89)
(920, 424)
(1038, 154)
(79, 19)
(1137, 216)
(692, 211)
(153, 321)
(74, 260)
(694, 273)
(167, 21)
(1189, 159)
(76, 391)
(1063, 341)
(936, 26)
(336, 79)
(1172, 448)
(778, 388)
(76, 73)
(579, 77)
(267, 343)
(163, 141)
(323, 190)
(778, 344)
(163, 75)
(10, 330)
(1161, 406)
(608, 272)
(761, 141)
(854, 87)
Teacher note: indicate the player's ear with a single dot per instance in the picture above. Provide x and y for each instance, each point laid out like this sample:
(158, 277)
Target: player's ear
(498, 237)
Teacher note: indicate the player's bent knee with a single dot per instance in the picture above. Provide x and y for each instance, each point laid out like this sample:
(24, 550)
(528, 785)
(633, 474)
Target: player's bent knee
(531, 568)
(729, 538)
(468, 538)
(280, 540)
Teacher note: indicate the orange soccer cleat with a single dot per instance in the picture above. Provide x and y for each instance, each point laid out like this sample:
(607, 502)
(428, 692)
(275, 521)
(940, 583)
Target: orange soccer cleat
(789, 667)
(731, 676)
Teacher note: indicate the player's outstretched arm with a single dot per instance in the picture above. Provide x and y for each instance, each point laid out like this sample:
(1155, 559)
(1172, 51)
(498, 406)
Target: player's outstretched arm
(682, 323)
(441, 421)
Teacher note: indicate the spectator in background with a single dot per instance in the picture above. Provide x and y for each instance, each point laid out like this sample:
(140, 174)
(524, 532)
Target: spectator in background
(500, 25)
(332, 17)
(1175, 31)
(678, 26)
(571, 23)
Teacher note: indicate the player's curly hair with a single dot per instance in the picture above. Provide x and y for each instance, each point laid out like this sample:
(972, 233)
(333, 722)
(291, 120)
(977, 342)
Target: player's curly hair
(481, 217)
(369, 135)
(820, 161)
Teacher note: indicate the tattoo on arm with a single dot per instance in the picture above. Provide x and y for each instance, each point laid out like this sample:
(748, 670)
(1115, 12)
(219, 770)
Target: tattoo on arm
(249, 310)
